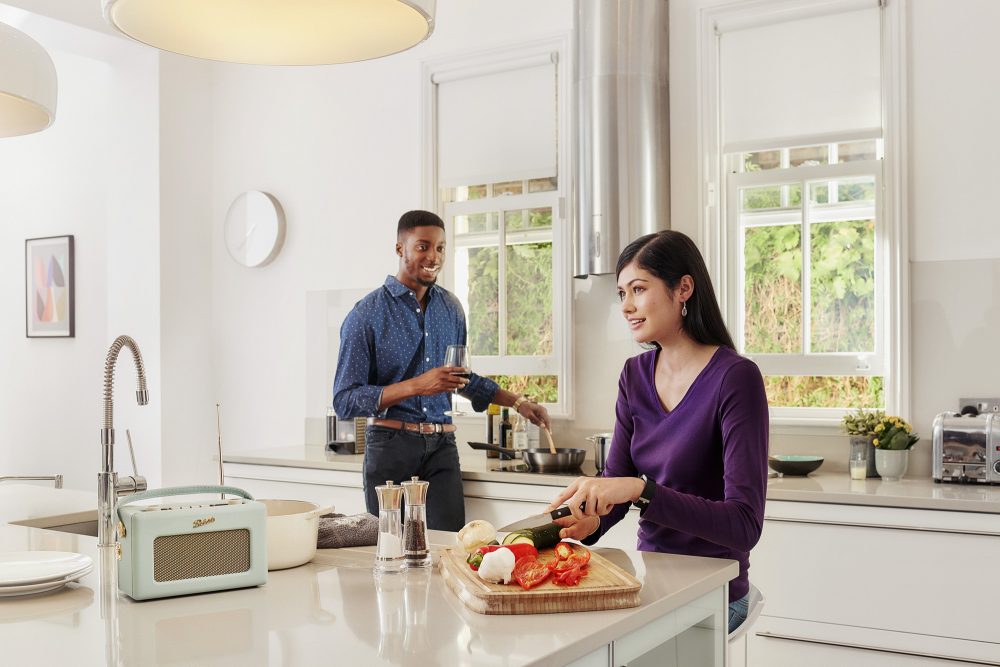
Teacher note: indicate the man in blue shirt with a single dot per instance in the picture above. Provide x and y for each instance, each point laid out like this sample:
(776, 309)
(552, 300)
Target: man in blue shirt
(392, 345)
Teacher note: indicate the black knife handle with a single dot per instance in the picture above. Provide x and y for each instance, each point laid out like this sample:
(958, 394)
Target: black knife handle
(563, 511)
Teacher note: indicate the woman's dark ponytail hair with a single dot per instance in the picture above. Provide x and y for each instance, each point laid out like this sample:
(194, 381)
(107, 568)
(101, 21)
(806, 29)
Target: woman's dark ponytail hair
(669, 255)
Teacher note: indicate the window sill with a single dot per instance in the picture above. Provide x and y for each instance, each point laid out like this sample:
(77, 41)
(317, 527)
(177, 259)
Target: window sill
(805, 426)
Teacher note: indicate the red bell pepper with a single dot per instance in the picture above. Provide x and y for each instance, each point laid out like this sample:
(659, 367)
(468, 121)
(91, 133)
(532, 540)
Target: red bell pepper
(520, 552)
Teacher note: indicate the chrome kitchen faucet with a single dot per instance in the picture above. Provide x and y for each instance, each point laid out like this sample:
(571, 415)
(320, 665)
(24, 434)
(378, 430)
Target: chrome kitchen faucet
(109, 488)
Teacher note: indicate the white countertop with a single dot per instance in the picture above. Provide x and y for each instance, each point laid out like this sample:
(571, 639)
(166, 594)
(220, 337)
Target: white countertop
(332, 610)
(819, 487)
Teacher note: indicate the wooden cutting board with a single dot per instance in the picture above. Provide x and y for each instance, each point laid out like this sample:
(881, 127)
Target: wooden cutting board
(606, 586)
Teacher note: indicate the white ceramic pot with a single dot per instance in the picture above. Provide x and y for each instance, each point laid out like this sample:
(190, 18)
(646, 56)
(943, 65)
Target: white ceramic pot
(891, 463)
(292, 529)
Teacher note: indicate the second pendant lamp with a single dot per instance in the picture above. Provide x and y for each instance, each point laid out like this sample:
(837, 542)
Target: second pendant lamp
(275, 32)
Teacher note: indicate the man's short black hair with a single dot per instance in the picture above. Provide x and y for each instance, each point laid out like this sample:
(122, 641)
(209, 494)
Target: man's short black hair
(412, 219)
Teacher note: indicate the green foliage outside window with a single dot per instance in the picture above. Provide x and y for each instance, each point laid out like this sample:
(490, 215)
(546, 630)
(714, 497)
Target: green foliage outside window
(803, 391)
(541, 388)
(842, 292)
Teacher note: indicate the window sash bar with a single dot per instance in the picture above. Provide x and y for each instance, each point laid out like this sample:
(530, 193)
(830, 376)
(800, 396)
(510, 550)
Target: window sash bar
(816, 172)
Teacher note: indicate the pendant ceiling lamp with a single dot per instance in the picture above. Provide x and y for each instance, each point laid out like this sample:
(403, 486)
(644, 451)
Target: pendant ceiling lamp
(275, 32)
(27, 84)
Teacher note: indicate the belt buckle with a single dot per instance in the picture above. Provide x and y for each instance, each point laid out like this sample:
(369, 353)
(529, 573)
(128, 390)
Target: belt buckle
(431, 427)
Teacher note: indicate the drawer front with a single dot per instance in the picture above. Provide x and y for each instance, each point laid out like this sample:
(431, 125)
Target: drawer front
(780, 652)
(904, 580)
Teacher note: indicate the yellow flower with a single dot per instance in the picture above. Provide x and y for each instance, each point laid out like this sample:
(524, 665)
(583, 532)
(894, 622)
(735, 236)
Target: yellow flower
(875, 441)
(879, 429)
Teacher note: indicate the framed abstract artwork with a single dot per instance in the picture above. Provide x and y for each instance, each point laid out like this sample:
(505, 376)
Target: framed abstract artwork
(49, 287)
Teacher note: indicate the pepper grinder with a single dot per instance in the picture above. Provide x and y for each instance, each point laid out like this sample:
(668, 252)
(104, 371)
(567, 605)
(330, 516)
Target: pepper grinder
(389, 552)
(415, 529)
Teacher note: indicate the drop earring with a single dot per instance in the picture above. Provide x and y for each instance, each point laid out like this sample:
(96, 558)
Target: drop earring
(684, 310)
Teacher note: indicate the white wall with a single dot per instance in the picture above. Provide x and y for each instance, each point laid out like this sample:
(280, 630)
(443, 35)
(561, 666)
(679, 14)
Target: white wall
(189, 397)
(93, 175)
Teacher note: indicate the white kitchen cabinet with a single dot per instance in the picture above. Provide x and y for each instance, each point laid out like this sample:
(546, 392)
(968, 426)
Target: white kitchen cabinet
(777, 642)
(873, 579)
(783, 652)
(338, 488)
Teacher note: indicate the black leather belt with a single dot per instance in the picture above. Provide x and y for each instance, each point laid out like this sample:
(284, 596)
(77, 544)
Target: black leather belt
(421, 427)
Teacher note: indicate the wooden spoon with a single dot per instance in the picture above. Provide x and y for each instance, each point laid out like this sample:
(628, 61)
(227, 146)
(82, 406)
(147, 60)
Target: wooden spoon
(552, 445)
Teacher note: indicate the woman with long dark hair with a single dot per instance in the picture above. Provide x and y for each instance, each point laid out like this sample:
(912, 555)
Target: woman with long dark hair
(691, 422)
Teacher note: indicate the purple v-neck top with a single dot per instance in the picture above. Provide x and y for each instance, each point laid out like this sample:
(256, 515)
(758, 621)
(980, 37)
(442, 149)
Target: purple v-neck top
(708, 457)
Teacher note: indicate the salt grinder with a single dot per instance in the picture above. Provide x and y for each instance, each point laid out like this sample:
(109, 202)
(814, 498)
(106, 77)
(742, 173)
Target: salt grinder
(415, 528)
(389, 553)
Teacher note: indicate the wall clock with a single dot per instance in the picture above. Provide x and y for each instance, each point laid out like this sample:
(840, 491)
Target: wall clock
(255, 228)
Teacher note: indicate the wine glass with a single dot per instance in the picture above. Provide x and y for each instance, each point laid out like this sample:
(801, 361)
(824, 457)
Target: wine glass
(457, 355)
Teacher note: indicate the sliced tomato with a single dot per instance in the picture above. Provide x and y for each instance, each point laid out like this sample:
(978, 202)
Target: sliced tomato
(529, 572)
(582, 554)
(570, 577)
(576, 560)
(564, 550)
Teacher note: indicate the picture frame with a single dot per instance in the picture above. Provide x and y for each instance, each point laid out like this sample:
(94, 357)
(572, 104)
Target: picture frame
(49, 288)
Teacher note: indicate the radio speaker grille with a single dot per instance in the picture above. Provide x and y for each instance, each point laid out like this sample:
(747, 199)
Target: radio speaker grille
(195, 555)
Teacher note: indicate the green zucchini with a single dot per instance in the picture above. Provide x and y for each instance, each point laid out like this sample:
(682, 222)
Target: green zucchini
(541, 537)
(546, 536)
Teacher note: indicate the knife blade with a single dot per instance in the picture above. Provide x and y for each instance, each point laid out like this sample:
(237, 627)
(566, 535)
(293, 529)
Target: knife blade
(537, 520)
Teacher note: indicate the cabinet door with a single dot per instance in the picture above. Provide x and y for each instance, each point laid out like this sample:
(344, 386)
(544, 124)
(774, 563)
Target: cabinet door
(344, 500)
(903, 580)
(779, 652)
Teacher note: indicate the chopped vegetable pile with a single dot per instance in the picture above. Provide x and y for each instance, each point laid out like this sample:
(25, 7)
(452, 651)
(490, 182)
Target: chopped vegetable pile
(567, 566)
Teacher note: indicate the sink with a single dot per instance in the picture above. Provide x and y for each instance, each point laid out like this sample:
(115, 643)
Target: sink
(78, 523)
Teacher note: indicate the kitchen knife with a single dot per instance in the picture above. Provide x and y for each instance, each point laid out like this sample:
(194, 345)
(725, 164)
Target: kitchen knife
(537, 520)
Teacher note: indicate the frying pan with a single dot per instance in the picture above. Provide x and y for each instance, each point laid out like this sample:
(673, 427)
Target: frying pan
(565, 459)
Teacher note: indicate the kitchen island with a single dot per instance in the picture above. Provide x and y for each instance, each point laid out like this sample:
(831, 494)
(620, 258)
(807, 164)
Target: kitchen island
(335, 610)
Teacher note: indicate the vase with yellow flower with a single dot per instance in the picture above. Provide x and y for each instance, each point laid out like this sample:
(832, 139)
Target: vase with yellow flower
(893, 437)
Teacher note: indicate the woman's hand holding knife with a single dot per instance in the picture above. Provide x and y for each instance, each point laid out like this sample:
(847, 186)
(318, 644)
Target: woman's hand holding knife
(590, 498)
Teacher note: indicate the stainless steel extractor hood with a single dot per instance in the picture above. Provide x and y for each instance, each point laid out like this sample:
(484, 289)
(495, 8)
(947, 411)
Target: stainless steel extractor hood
(622, 185)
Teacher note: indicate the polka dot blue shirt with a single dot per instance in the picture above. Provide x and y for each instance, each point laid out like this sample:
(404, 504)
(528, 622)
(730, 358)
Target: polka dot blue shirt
(387, 338)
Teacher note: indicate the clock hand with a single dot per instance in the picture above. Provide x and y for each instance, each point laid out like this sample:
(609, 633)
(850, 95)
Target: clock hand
(247, 237)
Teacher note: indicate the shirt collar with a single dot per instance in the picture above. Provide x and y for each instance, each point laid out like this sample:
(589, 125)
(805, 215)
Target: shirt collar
(398, 289)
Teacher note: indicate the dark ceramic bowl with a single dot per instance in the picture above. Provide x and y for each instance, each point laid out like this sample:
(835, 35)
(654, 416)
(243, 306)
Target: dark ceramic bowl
(792, 464)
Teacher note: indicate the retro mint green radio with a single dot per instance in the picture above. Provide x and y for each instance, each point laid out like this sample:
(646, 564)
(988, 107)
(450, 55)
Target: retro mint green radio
(179, 548)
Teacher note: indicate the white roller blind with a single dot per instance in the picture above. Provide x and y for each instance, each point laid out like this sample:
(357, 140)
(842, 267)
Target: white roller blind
(497, 126)
(807, 77)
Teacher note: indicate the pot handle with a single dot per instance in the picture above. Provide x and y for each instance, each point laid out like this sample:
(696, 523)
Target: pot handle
(504, 453)
(312, 514)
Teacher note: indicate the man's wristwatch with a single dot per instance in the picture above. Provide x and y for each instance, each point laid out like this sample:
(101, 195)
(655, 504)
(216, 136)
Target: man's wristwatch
(642, 502)
(519, 401)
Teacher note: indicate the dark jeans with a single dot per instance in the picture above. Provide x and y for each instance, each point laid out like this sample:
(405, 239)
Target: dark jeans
(399, 455)
(738, 612)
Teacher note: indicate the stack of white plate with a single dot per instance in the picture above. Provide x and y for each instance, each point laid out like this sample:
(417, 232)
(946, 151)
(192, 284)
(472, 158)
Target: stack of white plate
(30, 572)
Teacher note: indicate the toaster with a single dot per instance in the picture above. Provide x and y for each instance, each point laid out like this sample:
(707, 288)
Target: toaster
(967, 448)
(181, 548)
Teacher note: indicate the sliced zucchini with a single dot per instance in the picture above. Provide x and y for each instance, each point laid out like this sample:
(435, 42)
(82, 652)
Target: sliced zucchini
(541, 537)
(518, 537)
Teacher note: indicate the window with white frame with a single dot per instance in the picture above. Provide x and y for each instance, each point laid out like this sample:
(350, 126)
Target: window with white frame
(806, 242)
(807, 305)
(498, 187)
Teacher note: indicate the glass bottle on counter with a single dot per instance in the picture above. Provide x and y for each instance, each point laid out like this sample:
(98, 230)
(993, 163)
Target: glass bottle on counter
(415, 549)
(519, 435)
(505, 429)
(389, 552)
(492, 436)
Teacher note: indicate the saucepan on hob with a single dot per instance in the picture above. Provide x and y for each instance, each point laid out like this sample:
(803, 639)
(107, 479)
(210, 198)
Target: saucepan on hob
(566, 459)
